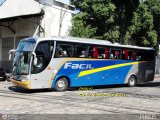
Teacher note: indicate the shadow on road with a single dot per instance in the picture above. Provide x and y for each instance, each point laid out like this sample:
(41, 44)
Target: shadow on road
(151, 84)
(22, 90)
(27, 91)
(97, 87)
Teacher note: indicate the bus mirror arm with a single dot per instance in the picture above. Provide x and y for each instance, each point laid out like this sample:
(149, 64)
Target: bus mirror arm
(34, 59)
(11, 54)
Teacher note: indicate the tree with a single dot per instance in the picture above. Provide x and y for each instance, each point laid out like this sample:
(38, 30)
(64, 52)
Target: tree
(123, 21)
(124, 15)
(96, 20)
(142, 32)
(154, 8)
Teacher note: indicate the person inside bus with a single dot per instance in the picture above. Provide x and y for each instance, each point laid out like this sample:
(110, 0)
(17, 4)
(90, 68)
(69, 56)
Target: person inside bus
(65, 53)
(60, 54)
(111, 56)
(101, 56)
(82, 54)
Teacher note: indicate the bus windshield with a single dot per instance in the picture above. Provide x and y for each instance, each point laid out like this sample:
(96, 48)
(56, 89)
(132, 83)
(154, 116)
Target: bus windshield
(21, 63)
(26, 46)
(22, 57)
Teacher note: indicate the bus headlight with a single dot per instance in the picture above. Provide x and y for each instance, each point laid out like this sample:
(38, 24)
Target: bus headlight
(23, 80)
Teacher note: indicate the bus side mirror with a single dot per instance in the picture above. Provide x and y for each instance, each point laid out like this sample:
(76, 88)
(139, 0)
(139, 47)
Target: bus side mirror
(11, 54)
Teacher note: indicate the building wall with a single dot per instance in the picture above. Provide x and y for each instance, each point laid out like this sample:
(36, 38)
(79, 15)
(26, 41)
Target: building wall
(23, 27)
(53, 16)
(50, 22)
(9, 40)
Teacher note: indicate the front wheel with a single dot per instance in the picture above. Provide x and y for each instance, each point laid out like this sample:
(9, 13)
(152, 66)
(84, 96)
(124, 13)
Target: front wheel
(61, 84)
(132, 81)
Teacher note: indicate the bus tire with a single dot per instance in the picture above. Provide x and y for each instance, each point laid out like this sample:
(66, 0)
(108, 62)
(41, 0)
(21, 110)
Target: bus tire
(61, 84)
(132, 81)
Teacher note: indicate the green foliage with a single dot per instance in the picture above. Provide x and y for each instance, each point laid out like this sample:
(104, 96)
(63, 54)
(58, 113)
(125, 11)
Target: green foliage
(154, 7)
(80, 28)
(123, 21)
(142, 30)
(97, 15)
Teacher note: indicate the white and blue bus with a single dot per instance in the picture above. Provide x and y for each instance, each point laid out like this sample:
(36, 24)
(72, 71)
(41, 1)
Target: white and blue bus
(63, 62)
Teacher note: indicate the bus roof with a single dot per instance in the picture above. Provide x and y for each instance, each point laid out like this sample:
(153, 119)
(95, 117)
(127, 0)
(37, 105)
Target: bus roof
(89, 41)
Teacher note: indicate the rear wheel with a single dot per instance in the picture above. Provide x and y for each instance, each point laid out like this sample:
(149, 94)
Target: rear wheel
(132, 81)
(61, 84)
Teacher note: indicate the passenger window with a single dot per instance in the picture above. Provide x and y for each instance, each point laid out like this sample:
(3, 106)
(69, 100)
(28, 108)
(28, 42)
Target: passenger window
(64, 50)
(98, 52)
(144, 55)
(44, 51)
(81, 51)
(93, 52)
(138, 55)
(128, 54)
(115, 53)
(131, 55)
(106, 53)
(101, 53)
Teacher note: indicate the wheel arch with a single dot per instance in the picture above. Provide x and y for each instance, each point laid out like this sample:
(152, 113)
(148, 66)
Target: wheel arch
(132, 80)
(132, 74)
(61, 76)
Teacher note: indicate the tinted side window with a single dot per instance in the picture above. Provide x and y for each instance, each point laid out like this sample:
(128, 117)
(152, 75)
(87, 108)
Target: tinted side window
(128, 54)
(116, 53)
(44, 51)
(98, 52)
(81, 50)
(144, 55)
(64, 50)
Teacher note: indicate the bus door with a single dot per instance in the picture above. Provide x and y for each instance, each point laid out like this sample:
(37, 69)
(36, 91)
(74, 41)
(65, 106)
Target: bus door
(42, 71)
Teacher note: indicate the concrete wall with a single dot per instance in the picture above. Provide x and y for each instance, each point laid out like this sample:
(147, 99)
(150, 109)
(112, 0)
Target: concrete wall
(11, 8)
(9, 40)
(22, 27)
(50, 22)
(53, 16)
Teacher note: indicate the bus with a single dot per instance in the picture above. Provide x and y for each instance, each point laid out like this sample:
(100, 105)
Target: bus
(63, 62)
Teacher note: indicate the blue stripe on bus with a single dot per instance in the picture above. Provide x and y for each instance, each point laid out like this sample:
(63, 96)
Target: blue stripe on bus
(106, 77)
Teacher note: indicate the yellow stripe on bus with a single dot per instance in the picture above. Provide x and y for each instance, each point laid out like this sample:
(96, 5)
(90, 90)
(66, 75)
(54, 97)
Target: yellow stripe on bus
(25, 84)
(87, 72)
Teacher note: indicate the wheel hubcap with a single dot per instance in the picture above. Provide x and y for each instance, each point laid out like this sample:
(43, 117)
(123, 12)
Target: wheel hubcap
(132, 81)
(61, 84)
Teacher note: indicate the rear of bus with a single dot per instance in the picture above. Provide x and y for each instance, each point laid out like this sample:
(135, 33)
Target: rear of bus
(146, 68)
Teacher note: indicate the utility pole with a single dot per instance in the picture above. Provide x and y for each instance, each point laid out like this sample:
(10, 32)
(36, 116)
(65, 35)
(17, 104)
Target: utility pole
(62, 13)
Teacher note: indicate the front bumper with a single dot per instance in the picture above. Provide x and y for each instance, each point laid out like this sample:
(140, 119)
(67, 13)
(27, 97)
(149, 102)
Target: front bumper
(25, 84)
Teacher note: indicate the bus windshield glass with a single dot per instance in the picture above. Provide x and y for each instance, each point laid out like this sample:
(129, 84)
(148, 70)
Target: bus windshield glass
(26, 46)
(22, 57)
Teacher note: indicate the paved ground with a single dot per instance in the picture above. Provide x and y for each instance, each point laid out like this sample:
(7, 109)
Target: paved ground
(144, 99)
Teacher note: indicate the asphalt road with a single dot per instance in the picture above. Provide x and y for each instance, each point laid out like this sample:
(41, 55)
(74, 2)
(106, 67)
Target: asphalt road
(111, 100)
